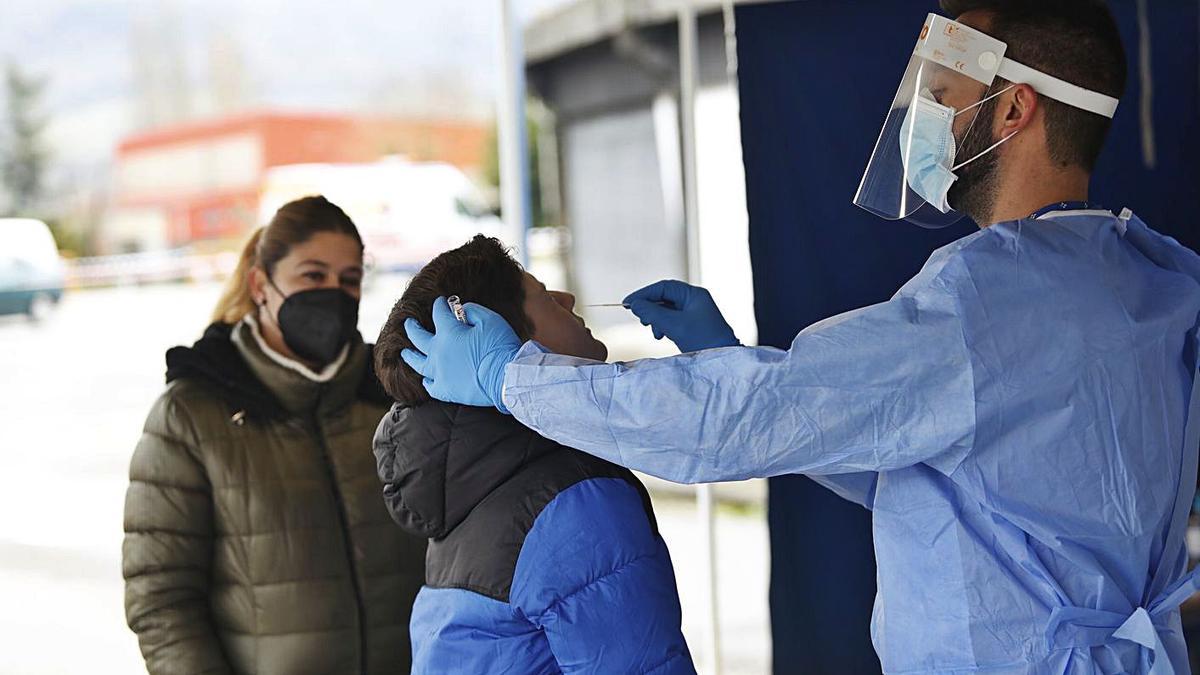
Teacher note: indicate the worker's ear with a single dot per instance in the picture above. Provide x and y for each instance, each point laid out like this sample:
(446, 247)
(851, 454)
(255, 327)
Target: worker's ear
(1017, 108)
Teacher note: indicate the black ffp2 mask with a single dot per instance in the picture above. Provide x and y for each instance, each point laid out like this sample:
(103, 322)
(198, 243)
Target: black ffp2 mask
(317, 323)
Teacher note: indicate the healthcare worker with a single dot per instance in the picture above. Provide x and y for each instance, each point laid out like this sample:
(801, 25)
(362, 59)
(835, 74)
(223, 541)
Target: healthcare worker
(1021, 416)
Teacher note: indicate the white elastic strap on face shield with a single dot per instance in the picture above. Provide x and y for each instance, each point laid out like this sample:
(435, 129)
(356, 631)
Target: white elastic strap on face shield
(983, 100)
(1059, 90)
(995, 145)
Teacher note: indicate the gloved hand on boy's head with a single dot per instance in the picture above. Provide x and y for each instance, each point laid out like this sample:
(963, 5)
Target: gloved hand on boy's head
(463, 362)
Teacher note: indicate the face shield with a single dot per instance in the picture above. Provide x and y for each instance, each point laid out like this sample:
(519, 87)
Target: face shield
(948, 78)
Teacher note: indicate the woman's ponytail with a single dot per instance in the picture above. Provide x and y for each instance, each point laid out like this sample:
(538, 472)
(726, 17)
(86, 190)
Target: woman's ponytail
(235, 302)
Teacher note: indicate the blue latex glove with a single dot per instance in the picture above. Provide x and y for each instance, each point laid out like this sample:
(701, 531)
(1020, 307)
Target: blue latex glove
(682, 312)
(463, 362)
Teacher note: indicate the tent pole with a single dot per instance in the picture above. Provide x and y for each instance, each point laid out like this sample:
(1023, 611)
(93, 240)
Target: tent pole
(511, 131)
(688, 65)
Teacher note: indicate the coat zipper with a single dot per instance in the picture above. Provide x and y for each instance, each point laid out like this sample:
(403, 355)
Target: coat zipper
(347, 542)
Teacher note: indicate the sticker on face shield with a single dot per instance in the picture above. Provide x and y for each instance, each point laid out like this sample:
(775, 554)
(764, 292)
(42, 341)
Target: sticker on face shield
(959, 47)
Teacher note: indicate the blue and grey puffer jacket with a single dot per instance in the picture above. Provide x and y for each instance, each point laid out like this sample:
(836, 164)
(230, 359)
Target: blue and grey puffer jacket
(542, 559)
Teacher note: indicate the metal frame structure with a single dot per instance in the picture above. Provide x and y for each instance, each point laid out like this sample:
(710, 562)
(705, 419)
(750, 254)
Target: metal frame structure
(575, 25)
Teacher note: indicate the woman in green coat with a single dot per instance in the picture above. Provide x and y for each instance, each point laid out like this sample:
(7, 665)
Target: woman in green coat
(256, 540)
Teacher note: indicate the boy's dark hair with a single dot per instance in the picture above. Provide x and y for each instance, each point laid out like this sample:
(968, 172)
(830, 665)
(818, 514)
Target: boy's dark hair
(480, 271)
(1073, 40)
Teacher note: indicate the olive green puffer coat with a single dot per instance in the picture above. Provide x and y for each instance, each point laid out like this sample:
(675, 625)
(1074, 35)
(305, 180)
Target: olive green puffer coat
(256, 538)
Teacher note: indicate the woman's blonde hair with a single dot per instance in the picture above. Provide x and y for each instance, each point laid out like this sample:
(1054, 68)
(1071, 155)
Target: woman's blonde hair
(294, 223)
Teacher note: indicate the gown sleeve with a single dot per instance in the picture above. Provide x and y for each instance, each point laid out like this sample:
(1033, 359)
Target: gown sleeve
(858, 487)
(877, 389)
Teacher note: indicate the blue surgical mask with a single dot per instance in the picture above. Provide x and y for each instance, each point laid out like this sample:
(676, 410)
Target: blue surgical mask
(928, 150)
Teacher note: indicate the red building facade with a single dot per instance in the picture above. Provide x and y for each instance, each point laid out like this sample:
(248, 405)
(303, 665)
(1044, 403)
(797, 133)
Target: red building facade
(201, 182)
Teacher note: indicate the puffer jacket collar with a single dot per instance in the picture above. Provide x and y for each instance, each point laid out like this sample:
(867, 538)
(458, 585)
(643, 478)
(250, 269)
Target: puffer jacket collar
(439, 460)
(216, 360)
(298, 394)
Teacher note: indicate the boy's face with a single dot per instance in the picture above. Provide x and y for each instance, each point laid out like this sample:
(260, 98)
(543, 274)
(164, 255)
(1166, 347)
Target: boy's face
(555, 324)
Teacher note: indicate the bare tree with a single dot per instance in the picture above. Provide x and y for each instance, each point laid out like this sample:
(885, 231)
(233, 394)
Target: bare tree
(228, 80)
(160, 70)
(23, 159)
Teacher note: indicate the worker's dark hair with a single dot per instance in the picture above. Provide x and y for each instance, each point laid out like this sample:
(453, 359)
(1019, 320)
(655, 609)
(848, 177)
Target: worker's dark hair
(480, 271)
(1073, 40)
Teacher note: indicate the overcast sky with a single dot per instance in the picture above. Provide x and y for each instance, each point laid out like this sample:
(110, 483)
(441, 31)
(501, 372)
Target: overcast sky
(303, 54)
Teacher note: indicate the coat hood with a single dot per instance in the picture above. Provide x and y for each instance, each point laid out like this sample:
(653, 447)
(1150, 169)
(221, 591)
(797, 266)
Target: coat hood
(216, 360)
(438, 461)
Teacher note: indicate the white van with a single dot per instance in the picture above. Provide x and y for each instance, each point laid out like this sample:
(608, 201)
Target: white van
(407, 212)
(31, 271)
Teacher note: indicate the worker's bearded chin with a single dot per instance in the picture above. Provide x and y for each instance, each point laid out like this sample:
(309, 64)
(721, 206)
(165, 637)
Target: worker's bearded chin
(974, 193)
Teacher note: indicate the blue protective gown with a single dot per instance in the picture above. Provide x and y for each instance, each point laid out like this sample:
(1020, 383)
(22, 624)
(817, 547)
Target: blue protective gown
(1015, 417)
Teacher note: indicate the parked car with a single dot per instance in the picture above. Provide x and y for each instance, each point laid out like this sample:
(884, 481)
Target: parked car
(31, 271)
